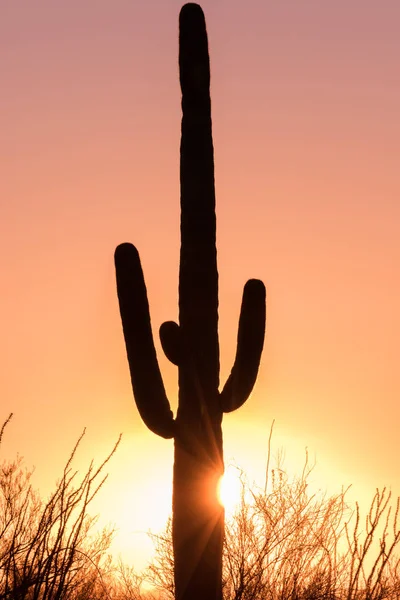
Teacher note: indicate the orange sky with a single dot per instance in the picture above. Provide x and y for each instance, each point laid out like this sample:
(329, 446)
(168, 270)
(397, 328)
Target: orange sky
(307, 142)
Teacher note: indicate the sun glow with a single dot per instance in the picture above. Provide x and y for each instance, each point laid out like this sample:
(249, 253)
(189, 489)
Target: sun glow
(230, 489)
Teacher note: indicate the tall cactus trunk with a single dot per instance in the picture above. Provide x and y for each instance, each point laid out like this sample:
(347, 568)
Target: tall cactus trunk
(198, 518)
(198, 521)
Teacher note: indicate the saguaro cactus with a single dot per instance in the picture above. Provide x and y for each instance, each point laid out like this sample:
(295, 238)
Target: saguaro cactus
(198, 518)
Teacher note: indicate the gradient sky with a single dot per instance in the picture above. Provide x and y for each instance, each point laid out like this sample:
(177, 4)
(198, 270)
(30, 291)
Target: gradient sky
(305, 99)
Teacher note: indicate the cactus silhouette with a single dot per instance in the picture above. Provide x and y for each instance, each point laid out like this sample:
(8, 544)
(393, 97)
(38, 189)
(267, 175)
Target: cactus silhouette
(198, 518)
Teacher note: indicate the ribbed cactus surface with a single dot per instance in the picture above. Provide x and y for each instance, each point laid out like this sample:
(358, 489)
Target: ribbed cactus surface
(192, 345)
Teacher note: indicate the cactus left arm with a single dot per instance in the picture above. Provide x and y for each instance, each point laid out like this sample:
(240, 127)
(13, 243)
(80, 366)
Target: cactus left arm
(147, 383)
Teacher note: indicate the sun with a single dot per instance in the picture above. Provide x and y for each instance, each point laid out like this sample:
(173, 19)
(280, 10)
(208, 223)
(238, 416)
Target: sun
(230, 489)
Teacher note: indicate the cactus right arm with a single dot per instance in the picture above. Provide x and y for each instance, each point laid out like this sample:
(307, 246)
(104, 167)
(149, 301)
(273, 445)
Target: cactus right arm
(147, 383)
(250, 343)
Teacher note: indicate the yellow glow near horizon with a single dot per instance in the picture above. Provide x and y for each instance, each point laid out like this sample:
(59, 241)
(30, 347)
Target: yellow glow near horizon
(229, 490)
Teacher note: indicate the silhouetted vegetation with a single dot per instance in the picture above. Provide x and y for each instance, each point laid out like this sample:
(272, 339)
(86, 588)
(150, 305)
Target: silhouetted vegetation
(285, 544)
(282, 543)
(48, 550)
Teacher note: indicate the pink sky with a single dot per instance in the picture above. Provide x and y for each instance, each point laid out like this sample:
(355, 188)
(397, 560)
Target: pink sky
(307, 142)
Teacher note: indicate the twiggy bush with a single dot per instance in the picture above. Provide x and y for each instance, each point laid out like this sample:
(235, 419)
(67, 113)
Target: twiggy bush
(47, 551)
(284, 543)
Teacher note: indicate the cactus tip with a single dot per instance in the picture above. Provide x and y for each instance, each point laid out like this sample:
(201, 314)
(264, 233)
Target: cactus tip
(191, 9)
(256, 285)
(125, 250)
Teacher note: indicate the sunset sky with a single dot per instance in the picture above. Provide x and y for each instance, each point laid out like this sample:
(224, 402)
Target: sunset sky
(305, 100)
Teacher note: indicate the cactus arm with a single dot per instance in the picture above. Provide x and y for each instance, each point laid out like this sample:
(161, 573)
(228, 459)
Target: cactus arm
(250, 343)
(147, 384)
